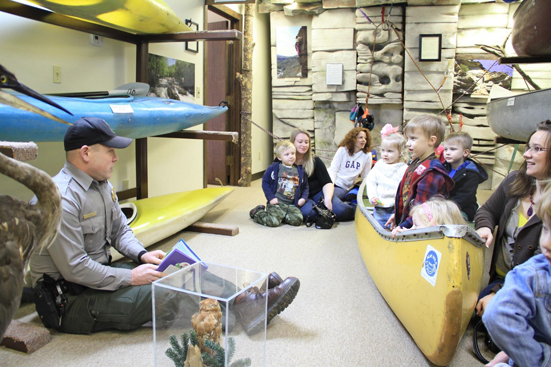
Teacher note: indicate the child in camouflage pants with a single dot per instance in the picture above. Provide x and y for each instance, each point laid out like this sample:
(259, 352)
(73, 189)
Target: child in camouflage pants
(285, 186)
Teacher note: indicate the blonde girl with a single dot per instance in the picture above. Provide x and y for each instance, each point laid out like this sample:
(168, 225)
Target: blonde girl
(382, 181)
(436, 212)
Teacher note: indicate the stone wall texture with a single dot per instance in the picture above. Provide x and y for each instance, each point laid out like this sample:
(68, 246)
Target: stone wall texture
(374, 61)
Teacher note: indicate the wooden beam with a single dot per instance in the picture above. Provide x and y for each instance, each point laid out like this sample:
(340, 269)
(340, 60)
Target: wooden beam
(525, 59)
(142, 52)
(228, 35)
(205, 135)
(214, 228)
(46, 16)
(502, 140)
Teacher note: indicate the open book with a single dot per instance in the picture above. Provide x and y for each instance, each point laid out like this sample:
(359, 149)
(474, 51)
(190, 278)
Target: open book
(181, 253)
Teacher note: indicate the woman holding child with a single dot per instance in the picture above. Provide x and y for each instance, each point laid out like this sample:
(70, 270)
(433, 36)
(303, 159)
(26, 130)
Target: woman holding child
(512, 208)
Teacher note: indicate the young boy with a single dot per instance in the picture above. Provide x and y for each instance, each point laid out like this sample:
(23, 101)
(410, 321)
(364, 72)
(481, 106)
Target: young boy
(425, 176)
(518, 317)
(285, 186)
(466, 173)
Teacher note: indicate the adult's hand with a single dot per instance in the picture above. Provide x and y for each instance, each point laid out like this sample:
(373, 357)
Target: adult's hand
(487, 234)
(483, 303)
(145, 274)
(153, 257)
(274, 201)
(301, 202)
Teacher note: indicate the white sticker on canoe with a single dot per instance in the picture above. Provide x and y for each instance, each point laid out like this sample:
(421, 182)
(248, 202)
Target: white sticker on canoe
(124, 108)
(511, 101)
(431, 263)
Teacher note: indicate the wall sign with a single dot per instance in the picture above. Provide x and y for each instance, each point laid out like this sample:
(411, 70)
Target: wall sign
(333, 74)
(430, 47)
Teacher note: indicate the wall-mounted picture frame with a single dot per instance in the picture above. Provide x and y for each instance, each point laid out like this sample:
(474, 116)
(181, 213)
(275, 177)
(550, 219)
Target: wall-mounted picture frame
(192, 46)
(430, 47)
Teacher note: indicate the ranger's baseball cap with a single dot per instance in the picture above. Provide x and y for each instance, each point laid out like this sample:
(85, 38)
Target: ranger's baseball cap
(90, 131)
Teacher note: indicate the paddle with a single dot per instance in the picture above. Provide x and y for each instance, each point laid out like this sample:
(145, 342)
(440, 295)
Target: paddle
(130, 89)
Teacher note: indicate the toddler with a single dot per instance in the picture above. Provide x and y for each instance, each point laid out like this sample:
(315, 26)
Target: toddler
(286, 188)
(436, 212)
(466, 173)
(382, 181)
(425, 177)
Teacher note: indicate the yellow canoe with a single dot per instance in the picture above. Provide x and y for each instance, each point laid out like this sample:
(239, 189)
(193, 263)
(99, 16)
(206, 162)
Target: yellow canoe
(135, 16)
(430, 277)
(159, 217)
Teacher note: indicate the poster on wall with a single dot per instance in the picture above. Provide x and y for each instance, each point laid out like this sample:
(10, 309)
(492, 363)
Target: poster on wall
(292, 52)
(476, 77)
(171, 78)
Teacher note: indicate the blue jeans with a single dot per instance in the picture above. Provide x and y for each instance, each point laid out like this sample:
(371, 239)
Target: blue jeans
(343, 210)
(306, 209)
(382, 215)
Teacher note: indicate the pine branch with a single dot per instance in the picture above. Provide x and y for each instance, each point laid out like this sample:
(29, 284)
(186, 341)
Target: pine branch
(231, 348)
(193, 339)
(174, 357)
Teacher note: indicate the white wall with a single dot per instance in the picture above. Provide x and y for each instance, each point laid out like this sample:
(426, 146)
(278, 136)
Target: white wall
(30, 50)
(261, 147)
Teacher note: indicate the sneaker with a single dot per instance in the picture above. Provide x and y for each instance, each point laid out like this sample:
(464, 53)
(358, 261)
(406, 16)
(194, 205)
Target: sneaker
(256, 210)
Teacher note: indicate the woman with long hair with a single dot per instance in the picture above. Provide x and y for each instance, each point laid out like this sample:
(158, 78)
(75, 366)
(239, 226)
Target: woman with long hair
(512, 208)
(319, 182)
(352, 160)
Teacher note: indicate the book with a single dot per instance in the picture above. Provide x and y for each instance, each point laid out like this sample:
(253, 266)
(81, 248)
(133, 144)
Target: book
(181, 253)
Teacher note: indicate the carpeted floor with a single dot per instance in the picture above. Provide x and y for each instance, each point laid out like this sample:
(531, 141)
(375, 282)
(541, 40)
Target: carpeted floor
(337, 319)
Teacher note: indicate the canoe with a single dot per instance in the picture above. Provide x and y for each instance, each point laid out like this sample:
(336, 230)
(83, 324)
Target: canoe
(531, 34)
(430, 277)
(516, 117)
(130, 116)
(154, 219)
(135, 16)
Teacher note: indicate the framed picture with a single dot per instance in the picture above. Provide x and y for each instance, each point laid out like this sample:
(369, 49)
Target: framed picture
(192, 46)
(430, 47)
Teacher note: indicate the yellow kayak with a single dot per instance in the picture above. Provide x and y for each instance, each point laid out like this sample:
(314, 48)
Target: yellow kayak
(135, 16)
(154, 219)
(430, 277)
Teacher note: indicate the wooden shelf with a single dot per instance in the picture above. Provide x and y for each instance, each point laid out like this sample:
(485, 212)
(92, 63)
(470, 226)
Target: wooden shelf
(525, 59)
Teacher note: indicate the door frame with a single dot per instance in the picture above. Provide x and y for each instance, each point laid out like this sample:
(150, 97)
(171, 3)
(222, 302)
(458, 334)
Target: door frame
(233, 90)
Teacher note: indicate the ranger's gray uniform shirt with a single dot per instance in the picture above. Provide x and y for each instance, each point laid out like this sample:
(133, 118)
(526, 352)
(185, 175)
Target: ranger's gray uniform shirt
(91, 223)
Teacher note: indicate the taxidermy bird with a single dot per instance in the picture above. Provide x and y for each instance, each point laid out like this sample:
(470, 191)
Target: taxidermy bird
(23, 228)
(207, 323)
(8, 80)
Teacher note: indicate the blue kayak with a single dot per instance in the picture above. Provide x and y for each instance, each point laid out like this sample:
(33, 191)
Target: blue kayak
(129, 116)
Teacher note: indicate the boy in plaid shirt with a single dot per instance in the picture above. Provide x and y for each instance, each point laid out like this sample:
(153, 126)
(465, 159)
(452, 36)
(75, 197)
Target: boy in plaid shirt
(425, 176)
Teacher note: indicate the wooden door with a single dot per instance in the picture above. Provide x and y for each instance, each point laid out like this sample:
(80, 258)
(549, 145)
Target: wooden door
(217, 158)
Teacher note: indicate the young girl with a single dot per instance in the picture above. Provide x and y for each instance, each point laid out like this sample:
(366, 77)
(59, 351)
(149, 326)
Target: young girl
(383, 180)
(436, 212)
(352, 159)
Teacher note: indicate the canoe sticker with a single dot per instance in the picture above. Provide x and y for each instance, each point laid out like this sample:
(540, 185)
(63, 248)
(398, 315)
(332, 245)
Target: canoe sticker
(431, 263)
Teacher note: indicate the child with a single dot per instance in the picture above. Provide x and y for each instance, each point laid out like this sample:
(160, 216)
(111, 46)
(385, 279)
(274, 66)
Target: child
(425, 176)
(436, 212)
(383, 180)
(466, 173)
(286, 188)
(518, 317)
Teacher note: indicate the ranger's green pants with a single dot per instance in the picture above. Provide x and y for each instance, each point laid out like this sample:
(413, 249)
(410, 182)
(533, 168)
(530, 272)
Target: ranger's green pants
(127, 308)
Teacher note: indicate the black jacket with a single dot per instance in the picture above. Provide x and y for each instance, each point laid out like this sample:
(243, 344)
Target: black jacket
(466, 181)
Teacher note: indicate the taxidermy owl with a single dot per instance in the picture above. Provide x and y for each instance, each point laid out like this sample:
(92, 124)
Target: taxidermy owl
(207, 323)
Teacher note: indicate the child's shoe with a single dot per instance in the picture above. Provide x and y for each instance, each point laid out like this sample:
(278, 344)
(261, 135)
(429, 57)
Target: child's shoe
(256, 210)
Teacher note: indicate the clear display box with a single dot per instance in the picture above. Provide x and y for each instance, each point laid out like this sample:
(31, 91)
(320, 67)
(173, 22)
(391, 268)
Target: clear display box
(240, 324)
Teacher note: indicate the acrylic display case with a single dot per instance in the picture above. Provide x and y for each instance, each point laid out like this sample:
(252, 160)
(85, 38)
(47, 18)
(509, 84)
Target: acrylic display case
(177, 300)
